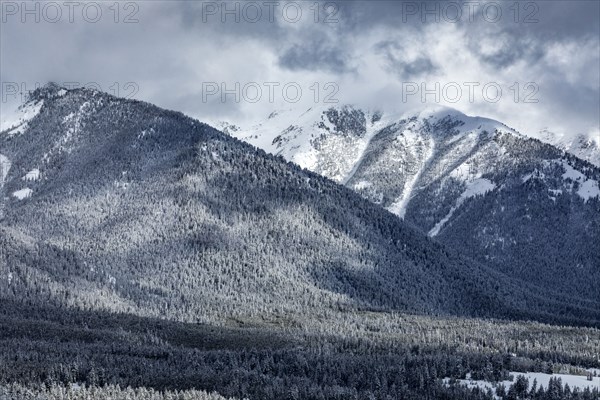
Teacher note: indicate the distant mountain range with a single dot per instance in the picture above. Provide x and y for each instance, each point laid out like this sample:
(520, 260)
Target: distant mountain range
(586, 147)
(518, 205)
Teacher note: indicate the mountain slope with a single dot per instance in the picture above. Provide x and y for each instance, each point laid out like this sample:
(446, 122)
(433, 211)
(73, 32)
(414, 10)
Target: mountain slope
(523, 207)
(584, 146)
(137, 209)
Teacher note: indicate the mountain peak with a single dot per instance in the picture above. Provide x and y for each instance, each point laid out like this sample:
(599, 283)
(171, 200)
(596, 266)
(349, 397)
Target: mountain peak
(46, 92)
(15, 121)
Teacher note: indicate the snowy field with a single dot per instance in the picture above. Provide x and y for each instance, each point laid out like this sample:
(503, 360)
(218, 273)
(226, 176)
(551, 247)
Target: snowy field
(543, 380)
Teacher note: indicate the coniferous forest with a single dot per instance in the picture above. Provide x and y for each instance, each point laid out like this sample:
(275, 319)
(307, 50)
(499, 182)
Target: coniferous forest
(157, 258)
(300, 200)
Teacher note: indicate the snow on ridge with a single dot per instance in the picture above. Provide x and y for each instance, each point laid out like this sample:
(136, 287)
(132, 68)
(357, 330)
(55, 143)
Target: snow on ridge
(303, 122)
(372, 130)
(399, 206)
(292, 133)
(263, 134)
(471, 123)
(440, 112)
(16, 121)
(583, 145)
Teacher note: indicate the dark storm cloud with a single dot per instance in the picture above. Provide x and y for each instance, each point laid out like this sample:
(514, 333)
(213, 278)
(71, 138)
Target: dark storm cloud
(401, 64)
(524, 31)
(524, 35)
(561, 19)
(359, 16)
(316, 55)
(509, 49)
(545, 20)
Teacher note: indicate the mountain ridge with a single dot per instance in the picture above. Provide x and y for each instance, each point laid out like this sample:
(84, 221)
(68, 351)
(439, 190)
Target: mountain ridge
(437, 169)
(143, 210)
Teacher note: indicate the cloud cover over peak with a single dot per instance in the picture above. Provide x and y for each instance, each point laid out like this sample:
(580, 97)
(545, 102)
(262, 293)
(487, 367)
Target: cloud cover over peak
(543, 56)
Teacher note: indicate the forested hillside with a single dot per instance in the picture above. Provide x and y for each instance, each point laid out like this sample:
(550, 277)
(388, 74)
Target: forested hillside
(140, 210)
(518, 205)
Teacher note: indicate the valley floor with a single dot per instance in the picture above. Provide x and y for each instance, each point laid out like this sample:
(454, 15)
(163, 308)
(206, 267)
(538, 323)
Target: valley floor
(67, 354)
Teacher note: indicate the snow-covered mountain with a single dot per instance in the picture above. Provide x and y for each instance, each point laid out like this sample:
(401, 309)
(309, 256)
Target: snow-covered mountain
(114, 204)
(119, 205)
(15, 121)
(474, 183)
(390, 158)
(584, 146)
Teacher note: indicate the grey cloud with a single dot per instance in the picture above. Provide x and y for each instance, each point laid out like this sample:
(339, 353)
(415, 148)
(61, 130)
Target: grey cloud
(564, 19)
(317, 55)
(195, 17)
(166, 52)
(210, 108)
(405, 68)
(576, 105)
(358, 15)
(525, 36)
(511, 49)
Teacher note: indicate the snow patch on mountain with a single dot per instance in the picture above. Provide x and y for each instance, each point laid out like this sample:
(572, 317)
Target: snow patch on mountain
(32, 175)
(463, 172)
(478, 186)
(5, 165)
(16, 121)
(23, 193)
(571, 173)
(587, 188)
(399, 206)
(362, 185)
(4, 168)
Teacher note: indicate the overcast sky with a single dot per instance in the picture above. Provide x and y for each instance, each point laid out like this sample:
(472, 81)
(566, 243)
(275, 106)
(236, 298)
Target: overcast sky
(380, 53)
